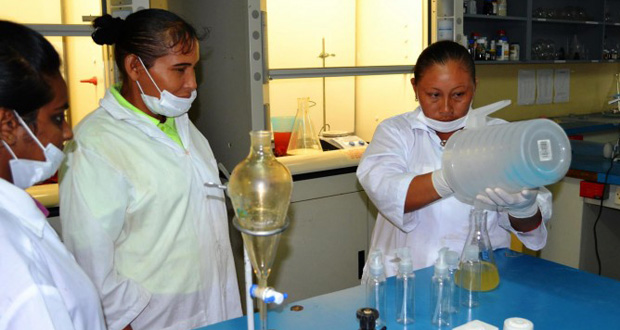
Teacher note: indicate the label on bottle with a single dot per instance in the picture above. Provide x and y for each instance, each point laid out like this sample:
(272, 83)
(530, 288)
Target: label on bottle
(544, 150)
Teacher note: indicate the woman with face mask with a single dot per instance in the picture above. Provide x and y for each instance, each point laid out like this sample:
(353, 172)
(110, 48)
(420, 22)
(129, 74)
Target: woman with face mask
(401, 171)
(41, 285)
(134, 208)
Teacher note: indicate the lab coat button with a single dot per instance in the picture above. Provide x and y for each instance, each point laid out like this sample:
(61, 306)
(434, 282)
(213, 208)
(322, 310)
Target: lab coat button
(351, 143)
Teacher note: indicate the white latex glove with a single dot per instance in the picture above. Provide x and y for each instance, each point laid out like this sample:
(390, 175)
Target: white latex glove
(440, 184)
(519, 205)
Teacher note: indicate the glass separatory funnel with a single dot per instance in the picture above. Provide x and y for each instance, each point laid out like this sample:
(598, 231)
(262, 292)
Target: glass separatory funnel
(303, 138)
(477, 249)
(260, 190)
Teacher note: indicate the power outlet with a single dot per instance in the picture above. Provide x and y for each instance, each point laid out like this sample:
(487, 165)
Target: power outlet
(617, 196)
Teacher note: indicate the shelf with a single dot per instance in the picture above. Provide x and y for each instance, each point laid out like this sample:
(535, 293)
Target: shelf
(499, 62)
(565, 21)
(494, 17)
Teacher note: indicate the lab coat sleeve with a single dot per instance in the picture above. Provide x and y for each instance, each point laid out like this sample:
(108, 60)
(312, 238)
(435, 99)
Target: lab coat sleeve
(37, 307)
(384, 174)
(537, 238)
(93, 201)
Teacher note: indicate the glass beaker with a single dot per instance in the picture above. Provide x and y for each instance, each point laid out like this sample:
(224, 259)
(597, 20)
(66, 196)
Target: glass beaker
(478, 241)
(303, 139)
(260, 190)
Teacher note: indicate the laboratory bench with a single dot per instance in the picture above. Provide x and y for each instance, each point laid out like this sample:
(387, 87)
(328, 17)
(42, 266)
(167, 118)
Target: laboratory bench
(551, 295)
(570, 238)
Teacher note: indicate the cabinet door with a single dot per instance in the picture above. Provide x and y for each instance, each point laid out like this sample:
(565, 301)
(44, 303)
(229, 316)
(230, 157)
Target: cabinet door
(564, 227)
(319, 252)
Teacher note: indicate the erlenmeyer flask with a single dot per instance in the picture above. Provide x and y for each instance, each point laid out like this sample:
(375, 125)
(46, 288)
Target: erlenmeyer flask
(303, 139)
(478, 243)
(260, 190)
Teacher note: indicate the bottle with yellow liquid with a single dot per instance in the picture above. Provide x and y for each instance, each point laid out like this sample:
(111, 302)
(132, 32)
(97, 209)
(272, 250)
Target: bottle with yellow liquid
(477, 244)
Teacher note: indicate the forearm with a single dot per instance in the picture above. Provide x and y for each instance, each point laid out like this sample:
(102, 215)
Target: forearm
(421, 192)
(526, 224)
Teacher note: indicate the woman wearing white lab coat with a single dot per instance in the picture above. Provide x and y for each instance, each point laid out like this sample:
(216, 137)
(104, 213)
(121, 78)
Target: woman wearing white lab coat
(41, 285)
(134, 208)
(401, 171)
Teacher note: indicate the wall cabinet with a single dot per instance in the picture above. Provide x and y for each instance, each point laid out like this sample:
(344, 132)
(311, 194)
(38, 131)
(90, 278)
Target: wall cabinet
(549, 31)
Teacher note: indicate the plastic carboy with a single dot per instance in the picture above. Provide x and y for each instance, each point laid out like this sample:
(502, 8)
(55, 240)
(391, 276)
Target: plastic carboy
(511, 156)
(303, 138)
(260, 190)
(477, 258)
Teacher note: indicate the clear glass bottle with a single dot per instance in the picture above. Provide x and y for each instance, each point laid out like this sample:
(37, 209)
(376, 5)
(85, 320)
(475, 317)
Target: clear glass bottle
(478, 240)
(375, 286)
(260, 190)
(440, 293)
(405, 289)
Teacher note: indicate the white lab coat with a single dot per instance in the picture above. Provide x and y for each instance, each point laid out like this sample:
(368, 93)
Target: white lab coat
(401, 148)
(41, 285)
(140, 222)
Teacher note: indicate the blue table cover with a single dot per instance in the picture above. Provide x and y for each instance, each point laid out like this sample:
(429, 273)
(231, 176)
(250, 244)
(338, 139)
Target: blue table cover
(550, 295)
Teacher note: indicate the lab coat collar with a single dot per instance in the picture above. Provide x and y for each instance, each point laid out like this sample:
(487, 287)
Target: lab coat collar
(117, 111)
(414, 121)
(20, 204)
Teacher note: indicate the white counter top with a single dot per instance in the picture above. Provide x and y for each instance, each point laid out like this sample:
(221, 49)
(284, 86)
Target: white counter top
(327, 160)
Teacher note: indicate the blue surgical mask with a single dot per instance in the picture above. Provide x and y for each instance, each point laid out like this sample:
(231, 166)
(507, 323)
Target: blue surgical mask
(28, 172)
(167, 104)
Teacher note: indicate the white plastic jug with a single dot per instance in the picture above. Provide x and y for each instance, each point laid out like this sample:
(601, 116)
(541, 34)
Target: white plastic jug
(512, 156)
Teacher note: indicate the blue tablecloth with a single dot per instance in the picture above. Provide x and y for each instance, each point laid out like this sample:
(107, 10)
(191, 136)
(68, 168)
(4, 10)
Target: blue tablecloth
(550, 295)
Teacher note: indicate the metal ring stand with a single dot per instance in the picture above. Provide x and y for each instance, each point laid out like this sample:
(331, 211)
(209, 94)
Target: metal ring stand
(235, 222)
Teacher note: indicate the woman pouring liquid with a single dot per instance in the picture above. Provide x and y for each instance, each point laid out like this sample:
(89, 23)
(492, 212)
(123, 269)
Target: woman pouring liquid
(401, 171)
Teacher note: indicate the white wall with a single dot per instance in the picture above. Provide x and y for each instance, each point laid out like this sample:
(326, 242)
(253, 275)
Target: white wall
(358, 33)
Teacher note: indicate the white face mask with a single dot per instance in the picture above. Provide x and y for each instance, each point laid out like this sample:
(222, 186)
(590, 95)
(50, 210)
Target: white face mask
(167, 104)
(443, 126)
(27, 172)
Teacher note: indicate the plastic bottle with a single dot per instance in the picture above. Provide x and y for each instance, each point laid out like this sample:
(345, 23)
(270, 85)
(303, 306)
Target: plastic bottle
(452, 259)
(502, 7)
(440, 293)
(503, 48)
(375, 286)
(405, 288)
(472, 7)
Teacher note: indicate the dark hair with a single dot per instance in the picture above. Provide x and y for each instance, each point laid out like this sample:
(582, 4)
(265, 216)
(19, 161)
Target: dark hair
(148, 33)
(441, 52)
(27, 62)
